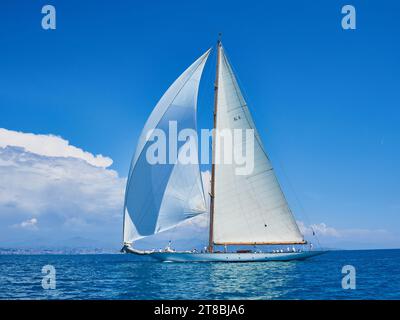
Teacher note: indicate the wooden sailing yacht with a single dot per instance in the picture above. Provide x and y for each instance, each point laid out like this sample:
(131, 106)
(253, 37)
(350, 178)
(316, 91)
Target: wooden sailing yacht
(244, 209)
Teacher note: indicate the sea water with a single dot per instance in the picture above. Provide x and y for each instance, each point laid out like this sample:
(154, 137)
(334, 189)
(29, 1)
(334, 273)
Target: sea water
(125, 276)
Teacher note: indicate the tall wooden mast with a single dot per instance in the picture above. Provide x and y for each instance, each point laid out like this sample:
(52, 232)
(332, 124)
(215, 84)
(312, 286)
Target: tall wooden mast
(210, 239)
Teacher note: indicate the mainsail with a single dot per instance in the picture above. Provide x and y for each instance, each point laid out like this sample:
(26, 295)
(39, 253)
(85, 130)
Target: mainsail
(248, 209)
(160, 196)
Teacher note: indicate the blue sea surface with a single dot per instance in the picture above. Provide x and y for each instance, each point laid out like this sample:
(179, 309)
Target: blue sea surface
(122, 276)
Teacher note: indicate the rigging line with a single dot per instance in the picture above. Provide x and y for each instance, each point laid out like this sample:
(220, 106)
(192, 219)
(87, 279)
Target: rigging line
(302, 209)
(231, 110)
(285, 202)
(272, 209)
(172, 238)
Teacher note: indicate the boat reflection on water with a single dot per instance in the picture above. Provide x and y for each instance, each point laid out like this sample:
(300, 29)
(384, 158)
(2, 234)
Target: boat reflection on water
(251, 280)
(254, 280)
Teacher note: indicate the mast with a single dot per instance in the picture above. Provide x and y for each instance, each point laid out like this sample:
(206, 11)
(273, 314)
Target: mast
(212, 195)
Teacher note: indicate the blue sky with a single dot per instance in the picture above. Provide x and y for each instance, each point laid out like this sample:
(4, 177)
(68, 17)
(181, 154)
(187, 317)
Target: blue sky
(325, 100)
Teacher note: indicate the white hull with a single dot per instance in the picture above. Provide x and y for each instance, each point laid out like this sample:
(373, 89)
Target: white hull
(232, 257)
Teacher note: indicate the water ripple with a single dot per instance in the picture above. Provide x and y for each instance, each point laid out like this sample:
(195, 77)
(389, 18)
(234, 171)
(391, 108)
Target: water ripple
(131, 277)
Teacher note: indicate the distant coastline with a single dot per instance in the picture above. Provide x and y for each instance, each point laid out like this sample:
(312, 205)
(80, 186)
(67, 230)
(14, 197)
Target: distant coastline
(55, 251)
(90, 251)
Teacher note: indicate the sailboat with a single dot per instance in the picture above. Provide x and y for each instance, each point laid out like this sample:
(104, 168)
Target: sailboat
(244, 210)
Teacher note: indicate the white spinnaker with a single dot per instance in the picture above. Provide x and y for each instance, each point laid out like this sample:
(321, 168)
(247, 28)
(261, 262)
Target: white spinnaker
(160, 196)
(248, 209)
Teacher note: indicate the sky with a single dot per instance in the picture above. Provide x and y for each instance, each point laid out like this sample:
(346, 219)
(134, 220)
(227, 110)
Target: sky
(74, 100)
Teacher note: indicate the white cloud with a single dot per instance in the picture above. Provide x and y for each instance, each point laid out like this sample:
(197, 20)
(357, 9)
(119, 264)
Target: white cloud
(37, 184)
(348, 237)
(68, 196)
(50, 146)
(28, 224)
(319, 229)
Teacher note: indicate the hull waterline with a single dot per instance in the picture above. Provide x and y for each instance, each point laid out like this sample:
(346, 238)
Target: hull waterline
(232, 257)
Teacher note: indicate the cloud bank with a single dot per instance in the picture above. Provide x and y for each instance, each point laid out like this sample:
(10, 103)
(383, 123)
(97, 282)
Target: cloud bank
(348, 238)
(51, 191)
(55, 194)
(50, 146)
